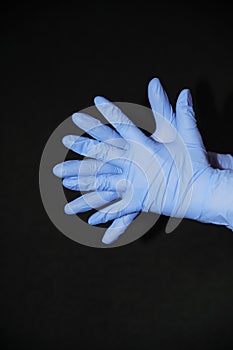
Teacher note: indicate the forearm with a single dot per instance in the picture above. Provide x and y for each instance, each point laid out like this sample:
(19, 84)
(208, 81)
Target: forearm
(218, 206)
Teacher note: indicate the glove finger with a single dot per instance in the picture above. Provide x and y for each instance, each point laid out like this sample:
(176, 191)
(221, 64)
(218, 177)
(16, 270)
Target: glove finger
(111, 212)
(84, 167)
(220, 161)
(92, 148)
(95, 183)
(89, 201)
(162, 111)
(186, 121)
(117, 228)
(118, 119)
(99, 131)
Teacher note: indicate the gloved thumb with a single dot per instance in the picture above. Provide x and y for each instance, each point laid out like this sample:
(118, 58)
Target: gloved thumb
(162, 111)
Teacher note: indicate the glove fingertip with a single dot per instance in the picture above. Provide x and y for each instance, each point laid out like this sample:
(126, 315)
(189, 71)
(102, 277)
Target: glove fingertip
(110, 237)
(93, 219)
(68, 209)
(106, 240)
(154, 83)
(100, 100)
(68, 140)
(74, 117)
(57, 170)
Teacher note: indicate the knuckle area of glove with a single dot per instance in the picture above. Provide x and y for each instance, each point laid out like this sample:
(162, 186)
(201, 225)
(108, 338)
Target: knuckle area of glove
(100, 151)
(93, 167)
(103, 183)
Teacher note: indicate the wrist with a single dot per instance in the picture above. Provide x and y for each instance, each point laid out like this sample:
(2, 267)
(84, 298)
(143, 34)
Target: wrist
(217, 207)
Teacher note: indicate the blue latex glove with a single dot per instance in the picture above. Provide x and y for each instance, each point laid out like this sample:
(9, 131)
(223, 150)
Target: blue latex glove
(143, 181)
(103, 133)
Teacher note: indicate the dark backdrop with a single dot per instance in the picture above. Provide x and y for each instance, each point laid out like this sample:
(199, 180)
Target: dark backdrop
(161, 291)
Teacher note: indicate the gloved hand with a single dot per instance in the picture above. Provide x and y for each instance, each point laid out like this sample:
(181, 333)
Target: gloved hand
(149, 180)
(104, 133)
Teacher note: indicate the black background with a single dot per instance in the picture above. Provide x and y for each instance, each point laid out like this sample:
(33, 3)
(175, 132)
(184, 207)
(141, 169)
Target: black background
(161, 291)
